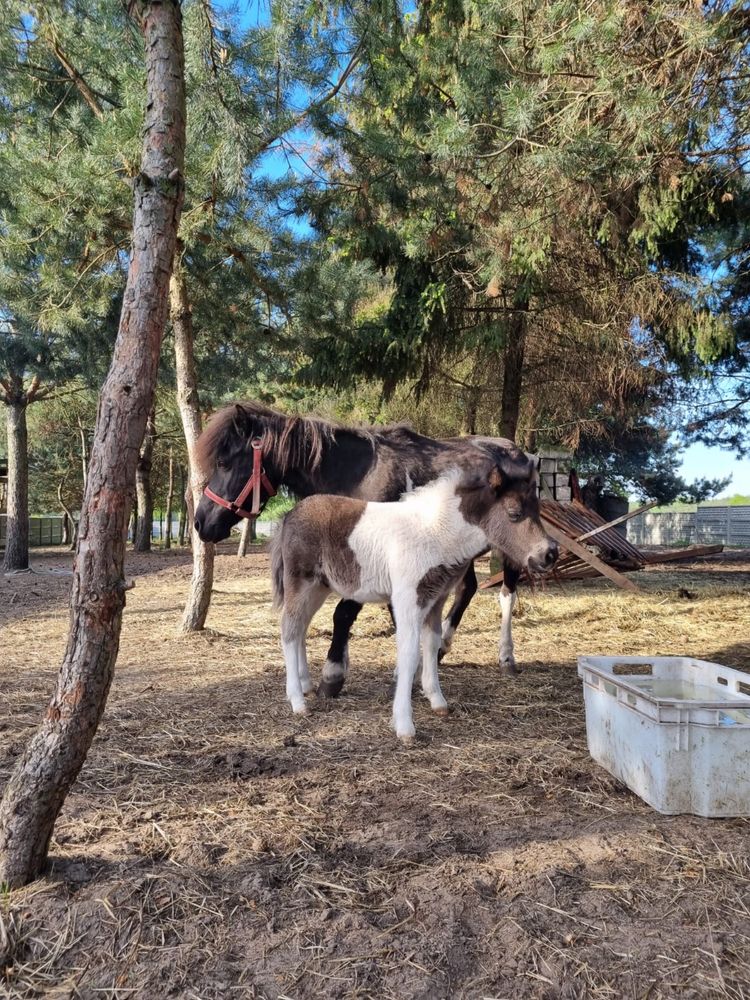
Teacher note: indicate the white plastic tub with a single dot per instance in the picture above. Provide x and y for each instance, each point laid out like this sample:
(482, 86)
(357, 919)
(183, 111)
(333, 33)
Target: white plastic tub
(675, 730)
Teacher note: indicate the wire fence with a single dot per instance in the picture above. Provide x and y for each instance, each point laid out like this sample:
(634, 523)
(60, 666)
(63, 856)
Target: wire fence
(726, 525)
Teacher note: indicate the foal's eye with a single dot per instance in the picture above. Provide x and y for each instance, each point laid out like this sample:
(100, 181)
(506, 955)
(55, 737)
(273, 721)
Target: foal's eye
(515, 515)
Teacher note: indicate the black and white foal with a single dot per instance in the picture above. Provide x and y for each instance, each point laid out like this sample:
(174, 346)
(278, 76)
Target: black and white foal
(410, 554)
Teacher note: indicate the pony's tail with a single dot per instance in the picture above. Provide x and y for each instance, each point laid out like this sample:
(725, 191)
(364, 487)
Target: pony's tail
(277, 567)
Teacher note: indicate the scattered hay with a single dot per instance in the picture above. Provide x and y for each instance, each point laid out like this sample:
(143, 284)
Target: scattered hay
(217, 846)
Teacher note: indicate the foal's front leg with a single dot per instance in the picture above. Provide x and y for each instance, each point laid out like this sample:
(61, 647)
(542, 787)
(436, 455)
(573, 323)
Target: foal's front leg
(409, 619)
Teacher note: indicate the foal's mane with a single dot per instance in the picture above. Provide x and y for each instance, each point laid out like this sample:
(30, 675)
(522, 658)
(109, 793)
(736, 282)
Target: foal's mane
(288, 441)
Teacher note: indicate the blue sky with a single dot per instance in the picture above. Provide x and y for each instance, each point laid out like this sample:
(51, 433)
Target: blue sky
(698, 461)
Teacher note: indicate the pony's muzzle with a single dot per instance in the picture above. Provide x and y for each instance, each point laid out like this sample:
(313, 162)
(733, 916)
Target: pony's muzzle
(543, 557)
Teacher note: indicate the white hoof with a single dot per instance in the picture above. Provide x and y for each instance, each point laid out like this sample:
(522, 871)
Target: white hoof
(301, 709)
(404, 730)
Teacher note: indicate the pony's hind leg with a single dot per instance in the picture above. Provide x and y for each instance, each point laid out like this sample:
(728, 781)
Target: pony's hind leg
(430, 648)
(301, 600)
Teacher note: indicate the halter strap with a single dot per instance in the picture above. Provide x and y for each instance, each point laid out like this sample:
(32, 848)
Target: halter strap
(258, 479)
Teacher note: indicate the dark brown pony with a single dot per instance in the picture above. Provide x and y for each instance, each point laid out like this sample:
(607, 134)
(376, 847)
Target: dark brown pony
(309, 455)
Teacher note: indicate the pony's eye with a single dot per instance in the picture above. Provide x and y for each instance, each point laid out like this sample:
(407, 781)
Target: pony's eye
(515, 515)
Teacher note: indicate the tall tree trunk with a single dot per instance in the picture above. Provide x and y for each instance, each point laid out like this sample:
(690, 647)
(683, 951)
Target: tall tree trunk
(144, 489)
(45, 772)
(183, 508)
(199, 599)
(170, 498)
(510, 406)
(247, 535)
(17, 524)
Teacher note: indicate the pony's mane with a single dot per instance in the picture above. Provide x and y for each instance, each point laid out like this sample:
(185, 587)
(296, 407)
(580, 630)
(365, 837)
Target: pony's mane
(288, 440)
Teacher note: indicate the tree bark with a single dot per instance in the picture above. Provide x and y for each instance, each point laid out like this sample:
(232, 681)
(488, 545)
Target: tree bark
(170, 498)
(199, 598)
(510, 406)
(144, 489)
(17, 524)
(247, 535)
(45, 772)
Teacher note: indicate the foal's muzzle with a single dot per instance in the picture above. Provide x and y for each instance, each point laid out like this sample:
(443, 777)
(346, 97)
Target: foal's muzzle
(543, 557)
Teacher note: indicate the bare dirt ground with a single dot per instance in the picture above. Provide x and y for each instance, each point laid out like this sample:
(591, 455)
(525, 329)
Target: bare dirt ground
(216, 846)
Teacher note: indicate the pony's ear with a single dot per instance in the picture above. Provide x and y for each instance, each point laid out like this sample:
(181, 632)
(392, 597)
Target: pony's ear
(496, 479)
(241, 420)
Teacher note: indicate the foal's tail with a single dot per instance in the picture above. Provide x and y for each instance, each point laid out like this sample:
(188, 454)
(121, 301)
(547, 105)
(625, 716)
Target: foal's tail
(277, 567)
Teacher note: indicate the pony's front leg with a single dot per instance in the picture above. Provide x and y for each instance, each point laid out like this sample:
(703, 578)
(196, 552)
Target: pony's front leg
(336, 666)
(408, 624)
(431, 638)
(466, 589)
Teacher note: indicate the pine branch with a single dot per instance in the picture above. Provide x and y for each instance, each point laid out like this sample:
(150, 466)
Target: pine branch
(83, 88)
(315, 106)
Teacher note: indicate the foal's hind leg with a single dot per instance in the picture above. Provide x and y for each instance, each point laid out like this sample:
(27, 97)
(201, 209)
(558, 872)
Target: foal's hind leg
(464, 593)
(430, 648)
(301, 600)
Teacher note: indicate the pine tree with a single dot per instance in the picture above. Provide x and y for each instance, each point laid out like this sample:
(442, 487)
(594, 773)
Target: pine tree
(524, 183)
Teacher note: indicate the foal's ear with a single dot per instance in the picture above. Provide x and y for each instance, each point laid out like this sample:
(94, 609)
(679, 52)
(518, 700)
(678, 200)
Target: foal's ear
(496, 479)
(241, 420)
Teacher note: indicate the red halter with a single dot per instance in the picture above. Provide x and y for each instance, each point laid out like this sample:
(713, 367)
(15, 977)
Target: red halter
(257, 479)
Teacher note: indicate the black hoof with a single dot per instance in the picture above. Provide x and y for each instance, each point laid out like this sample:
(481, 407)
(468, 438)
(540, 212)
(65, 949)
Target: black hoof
(330, 689)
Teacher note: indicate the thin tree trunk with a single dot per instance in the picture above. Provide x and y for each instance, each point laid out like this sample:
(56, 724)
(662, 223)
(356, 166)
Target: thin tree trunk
(48, 767)
(144, 489)
(199, 599)
(510, 406)
(84, 453)
(183, 507)
(170, 498)
(17, 524)
(69, 524)
(247, 535)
